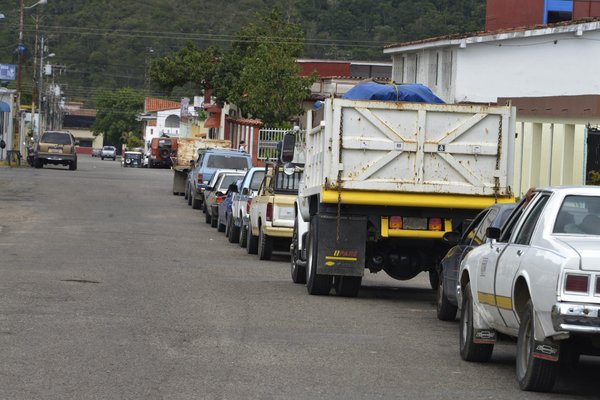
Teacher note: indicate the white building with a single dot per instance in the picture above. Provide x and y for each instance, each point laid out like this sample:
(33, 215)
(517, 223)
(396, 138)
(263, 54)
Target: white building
(548, 72)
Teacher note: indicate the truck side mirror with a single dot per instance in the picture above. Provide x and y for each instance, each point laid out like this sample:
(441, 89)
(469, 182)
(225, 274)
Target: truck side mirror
(287, 148)
(245, 191)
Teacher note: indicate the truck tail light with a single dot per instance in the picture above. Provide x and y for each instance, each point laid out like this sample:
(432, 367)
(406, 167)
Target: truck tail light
(269, 215)
(199, 179)
(435, 224)
(395, 222)
(577, 283)
(248, 205)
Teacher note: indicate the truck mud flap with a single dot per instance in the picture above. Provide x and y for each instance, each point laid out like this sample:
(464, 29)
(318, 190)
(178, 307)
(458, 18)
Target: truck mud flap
(342, 245)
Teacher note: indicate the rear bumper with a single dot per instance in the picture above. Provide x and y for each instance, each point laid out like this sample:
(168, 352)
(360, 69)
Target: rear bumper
(49, 157)
(278, 231)
(576, 317)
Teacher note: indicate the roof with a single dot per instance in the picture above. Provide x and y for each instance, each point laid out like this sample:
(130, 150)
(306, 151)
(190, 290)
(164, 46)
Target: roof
(152, 105)
(578, 27)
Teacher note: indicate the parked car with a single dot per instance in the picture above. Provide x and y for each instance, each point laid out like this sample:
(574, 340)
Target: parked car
(215, 193)
(206, 164)
(108, 152)
(132, 159)
(475, 235)
(96, 152)
(271, 220)
(225, 207)
(56, 148)
(238, 219)
(539, 282)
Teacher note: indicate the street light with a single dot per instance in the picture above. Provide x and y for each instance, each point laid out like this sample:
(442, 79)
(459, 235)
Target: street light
(16, 145)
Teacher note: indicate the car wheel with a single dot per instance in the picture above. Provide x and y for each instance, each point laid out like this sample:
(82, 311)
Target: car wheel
(446, 311)
(533, 373)
(186, 193)
(347, 286)
(196, 202)
(207, 218)
(298, 272)
(252, 241)
(73, 165)
(316, 284)
(220, 227)
(214, 220)
(37, 163)
(265, 245)
(469, 350)
(234, 231)
(243, 236)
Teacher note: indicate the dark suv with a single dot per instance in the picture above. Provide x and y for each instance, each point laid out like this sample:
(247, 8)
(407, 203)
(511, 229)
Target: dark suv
(57, 148)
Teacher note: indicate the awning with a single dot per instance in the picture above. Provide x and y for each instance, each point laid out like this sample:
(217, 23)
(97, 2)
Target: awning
(4, 107)
(213, 121)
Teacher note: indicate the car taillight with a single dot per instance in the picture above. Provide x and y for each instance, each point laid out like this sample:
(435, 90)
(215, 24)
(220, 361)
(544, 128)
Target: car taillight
(577, 283)
(248, 204)
(220, 199)
(435, 224)
(395, 223)
(269, 215)
(199, 179)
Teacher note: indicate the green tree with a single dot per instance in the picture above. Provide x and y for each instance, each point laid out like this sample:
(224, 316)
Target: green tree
(188, 65)
(117, 114)
(260, 74)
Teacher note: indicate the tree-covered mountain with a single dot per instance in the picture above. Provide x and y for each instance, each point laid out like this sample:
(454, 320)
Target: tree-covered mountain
(107, 44)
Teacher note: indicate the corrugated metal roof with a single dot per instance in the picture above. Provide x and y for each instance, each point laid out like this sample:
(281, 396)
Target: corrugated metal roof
(501, 34)
(152, 104)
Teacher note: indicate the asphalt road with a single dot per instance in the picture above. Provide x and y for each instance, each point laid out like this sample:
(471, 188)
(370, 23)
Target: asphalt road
(113, 288)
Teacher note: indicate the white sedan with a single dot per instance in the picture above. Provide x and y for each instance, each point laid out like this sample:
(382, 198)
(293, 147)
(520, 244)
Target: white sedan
(538, 281)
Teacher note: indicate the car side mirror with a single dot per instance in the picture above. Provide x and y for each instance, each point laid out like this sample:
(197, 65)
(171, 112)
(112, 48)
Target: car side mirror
(451, 238)
(245, 191)
(232, 188)
(287, 148)
(493, 233)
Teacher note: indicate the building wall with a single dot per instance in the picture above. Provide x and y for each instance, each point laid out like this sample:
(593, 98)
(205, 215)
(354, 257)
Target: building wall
(585, 9)
(555, 65)
(502, 14)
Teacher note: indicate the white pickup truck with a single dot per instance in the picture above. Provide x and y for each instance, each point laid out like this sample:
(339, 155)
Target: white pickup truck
(385, 180)
(537, 281)
(272, 211)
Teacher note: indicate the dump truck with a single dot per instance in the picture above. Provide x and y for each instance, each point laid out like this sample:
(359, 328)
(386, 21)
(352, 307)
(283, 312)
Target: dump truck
(187, 151)
(384, 180)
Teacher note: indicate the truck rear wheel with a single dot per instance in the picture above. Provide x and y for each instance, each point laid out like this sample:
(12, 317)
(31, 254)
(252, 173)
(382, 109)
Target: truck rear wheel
(265, 245)
(316, 284)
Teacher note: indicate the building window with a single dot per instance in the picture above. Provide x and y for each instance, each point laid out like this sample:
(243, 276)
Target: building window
(557, 11)
(172, 121)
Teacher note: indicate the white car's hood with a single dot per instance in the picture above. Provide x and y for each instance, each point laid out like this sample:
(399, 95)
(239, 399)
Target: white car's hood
(588, 249)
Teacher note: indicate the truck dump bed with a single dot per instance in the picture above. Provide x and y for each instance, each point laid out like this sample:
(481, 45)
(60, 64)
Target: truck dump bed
(411, 147)
(187, 150)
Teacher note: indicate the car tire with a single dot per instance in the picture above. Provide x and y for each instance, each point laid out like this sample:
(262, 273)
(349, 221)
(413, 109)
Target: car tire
(445, 310)
(265, 245)
(433, 279)
(316, 284)
(234, 231)
(243, 236)
(534, 374)
(186, 193)
(73, 165)
(207, 218)
(196, 204)
(220, 227)
(214, 220)
(252, 241)
(298, 273)
(102, 158)
(469, 350)
(347, 286)
(38, 163)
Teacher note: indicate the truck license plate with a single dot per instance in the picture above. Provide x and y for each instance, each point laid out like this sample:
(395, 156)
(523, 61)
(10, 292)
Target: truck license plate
(414, 223)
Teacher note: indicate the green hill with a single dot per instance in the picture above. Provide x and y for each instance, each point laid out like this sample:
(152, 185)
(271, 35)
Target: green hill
(107, 44)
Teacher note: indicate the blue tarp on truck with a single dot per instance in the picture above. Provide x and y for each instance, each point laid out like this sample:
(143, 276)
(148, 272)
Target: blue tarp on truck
(413, 92)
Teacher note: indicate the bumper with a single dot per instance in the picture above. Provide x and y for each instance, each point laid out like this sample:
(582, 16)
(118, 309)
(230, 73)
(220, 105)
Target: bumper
(56, 157)
(576, 317)
(278, 232)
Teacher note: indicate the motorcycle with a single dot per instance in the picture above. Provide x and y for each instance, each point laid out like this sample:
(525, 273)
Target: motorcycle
(30, 155)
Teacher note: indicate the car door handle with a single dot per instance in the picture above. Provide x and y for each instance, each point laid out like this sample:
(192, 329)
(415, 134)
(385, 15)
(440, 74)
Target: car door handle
(519, 252)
